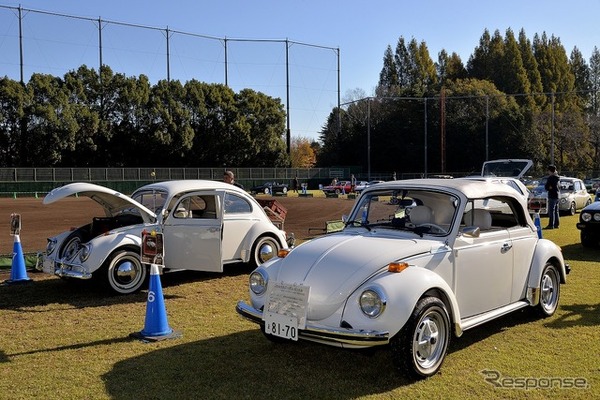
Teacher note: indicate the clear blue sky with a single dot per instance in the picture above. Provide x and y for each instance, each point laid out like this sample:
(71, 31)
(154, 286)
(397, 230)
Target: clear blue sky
(360, 29)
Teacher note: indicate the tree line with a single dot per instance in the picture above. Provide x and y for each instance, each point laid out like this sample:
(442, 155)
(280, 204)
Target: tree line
(514, 98)
(105, 119)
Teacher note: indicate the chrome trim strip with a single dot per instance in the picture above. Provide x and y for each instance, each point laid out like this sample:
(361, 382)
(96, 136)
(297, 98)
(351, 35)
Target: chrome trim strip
(354, 337)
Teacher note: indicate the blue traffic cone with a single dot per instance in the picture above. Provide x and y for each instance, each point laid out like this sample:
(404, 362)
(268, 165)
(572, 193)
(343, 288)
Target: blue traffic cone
(18, 274)
(538, 224)
(156, 326)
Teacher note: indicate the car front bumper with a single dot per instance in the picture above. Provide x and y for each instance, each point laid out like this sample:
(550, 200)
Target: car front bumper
(63, 270)
(352, 338)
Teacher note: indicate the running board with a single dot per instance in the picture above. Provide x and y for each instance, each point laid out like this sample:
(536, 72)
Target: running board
(477, 320)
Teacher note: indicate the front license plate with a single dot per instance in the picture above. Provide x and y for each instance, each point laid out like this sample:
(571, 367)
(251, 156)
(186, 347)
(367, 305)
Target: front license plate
(281, 325)
(48, 266)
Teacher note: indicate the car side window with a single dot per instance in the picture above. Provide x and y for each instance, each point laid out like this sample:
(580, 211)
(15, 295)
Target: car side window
(196, 206)
(493, 212)
(235, 204)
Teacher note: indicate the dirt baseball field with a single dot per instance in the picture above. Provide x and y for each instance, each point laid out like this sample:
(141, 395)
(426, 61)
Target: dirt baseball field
(41, 221)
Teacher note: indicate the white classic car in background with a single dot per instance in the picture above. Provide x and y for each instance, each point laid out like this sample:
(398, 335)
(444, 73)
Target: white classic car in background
(417, 262)
(205, 224)
(573, 196)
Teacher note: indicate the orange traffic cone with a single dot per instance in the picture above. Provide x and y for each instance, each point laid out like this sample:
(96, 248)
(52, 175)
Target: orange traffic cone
(156, 326)
(18, 274)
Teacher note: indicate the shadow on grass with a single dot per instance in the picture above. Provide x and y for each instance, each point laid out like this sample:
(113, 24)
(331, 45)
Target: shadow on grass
(45, 289)
(575, 315)
(482, 332)
(577, 252)
(246, 365)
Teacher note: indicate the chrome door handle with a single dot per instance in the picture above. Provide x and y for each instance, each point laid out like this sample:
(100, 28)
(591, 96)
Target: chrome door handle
(506, 247)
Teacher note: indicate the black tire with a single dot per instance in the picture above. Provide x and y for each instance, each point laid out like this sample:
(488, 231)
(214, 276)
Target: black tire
(265, 248)
(123, 272)
(588, 202)
(284, 190)
(337, 191)
(71, 245)
(421, 345)
(549, 291)
(266, 190)
(572, 209)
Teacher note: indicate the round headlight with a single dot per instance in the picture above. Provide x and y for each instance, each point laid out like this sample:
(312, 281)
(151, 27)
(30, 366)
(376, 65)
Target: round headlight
(258, 282)
(597, 217)
(86, 250)
(586, 217)
(563, 200)
(372, 302)
(50, 246)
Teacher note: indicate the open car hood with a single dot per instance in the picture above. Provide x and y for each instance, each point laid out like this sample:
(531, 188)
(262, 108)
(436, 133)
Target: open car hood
(112, 201)
(508, 168)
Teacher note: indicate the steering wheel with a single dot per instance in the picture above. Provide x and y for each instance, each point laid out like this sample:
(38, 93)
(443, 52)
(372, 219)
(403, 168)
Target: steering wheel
(436, 228)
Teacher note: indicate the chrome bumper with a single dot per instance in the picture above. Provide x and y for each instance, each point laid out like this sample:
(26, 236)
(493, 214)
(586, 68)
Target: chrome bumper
(65, 271)
(333, 336)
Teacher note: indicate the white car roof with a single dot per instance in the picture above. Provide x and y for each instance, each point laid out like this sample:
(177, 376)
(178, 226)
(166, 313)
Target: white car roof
(179, 186)
(469, 188)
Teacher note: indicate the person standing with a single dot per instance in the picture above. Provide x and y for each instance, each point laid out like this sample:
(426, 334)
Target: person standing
(352, 183)
(553, 189)
(295, 184)
(228, 177)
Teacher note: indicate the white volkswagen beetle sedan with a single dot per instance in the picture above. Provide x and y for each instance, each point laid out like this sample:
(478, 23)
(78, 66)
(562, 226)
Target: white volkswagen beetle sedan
(418, 261)
(205, 224)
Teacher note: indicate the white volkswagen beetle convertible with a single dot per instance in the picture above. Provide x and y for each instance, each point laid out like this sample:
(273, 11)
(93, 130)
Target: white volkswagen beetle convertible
(418, 261)
(205, 224)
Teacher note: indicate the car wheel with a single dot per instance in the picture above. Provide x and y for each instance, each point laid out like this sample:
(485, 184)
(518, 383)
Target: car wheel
(337, 191)
(71, 245)
(264, 249)
(266, 191)
(588, 202)
(284, 190)
(572, 209)
(549, 291)
(587, 239)
(421, 345)
(123, 271)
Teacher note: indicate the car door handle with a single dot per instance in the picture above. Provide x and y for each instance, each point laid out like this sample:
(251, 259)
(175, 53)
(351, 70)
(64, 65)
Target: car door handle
(506, 247)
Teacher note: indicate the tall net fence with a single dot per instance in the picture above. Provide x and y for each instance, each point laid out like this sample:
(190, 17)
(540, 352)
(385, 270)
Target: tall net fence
(304, 76)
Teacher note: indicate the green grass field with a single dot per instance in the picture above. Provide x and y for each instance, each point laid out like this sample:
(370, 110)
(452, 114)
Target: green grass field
(62, 340)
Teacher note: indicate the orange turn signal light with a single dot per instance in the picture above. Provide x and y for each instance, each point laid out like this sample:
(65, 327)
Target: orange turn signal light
(283, 253)
(397, 266)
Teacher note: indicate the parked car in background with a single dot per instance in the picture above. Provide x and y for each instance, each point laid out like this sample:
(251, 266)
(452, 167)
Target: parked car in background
(418, 261)
(589, 225)
(270, 188)
(360, 186)
(338, 188)
(205, 225)
(573, 196)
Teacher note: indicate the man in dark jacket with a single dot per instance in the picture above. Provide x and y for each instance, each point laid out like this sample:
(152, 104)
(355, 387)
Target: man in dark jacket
(553, 189)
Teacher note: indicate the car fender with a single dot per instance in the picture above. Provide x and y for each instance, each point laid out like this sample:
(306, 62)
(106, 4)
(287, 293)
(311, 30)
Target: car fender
(545, 251)
(258, 229)
(104, 245)
(402, 291)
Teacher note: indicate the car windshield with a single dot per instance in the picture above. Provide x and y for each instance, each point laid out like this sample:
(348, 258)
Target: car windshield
(152, 199)
(418, 211)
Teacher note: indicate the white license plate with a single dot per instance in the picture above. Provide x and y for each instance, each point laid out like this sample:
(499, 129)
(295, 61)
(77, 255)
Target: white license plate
(48, 266)
(281, 326)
